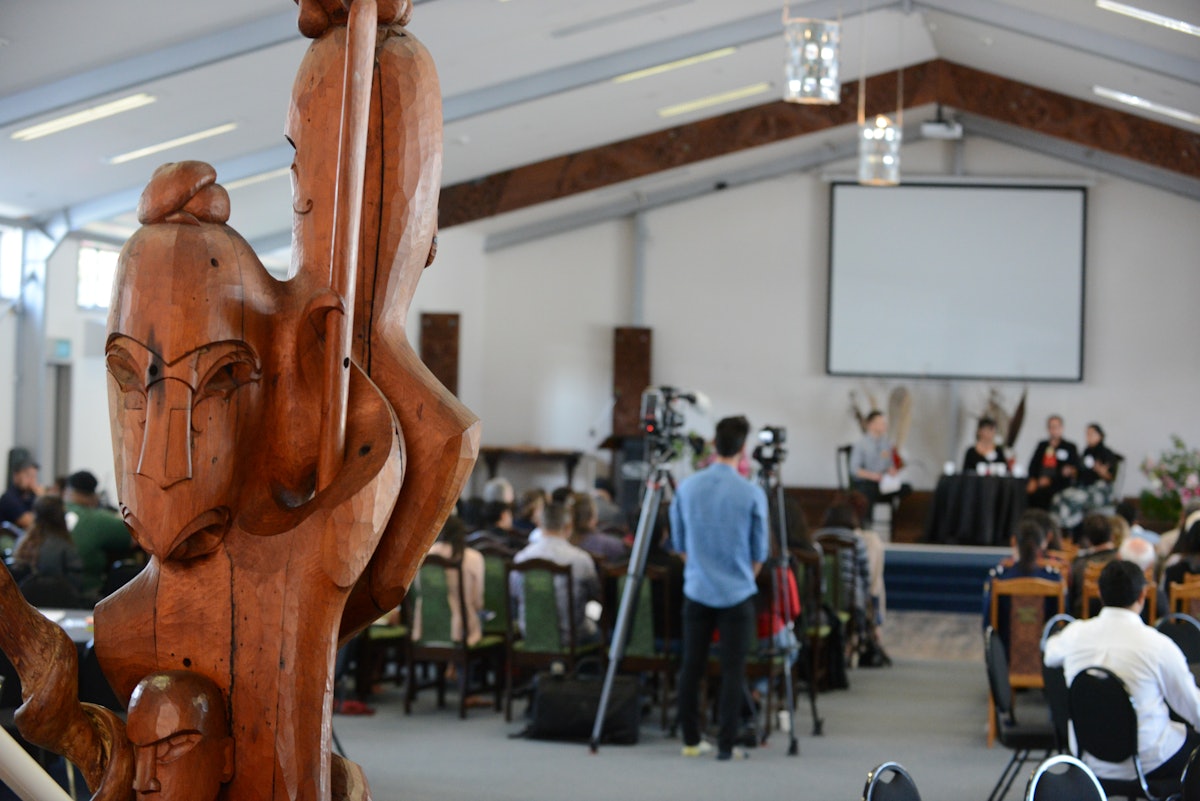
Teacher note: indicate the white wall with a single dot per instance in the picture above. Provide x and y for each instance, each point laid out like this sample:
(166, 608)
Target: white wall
(8, 379)
(734, 290)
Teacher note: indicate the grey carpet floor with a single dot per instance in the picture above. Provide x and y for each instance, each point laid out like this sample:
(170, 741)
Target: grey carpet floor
(927, 714)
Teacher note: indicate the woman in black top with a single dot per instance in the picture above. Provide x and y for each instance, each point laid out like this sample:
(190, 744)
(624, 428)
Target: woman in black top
(1093, 490)
(985, 450)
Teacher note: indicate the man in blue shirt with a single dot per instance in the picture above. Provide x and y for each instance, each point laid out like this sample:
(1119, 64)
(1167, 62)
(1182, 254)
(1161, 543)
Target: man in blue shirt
(719, 528)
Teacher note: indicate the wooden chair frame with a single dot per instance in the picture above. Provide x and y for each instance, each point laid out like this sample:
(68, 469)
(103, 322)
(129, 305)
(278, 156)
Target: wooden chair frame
(1020, 587)
(488, 650)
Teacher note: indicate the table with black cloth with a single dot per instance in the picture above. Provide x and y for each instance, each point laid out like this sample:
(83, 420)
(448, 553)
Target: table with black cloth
(971, 509)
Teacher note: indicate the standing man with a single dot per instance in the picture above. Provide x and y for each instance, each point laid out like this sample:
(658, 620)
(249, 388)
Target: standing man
(1152, 667)
(719, 528)
(100, 535)
(16, 505)
(875, 465)
(1052, 466)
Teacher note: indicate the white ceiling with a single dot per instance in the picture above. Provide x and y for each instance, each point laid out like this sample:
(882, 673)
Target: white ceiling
(524, 80)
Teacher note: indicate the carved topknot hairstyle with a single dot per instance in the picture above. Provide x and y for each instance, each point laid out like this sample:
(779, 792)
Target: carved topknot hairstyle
(184, 192)
(318, 16)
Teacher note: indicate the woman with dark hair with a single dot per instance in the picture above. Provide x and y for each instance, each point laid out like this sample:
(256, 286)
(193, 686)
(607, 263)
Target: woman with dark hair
(1029, 543)
(985, 451)
(1093, 488)
(1185, 557)
(451, 544)
(47, 549)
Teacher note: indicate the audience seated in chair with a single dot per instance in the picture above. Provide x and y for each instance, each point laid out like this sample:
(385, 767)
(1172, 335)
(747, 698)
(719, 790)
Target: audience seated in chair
(451, 545)
(554, 546)
(528, 514)
(46, 550)
(1151, 666)
(1028, 542)
(1185, 556)
(586, 535)
(99, 534)
(497, 528)
(1166, 542)
(1095, 533)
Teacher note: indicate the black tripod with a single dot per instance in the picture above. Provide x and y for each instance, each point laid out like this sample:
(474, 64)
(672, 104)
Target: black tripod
(780, 565)
(660, 478)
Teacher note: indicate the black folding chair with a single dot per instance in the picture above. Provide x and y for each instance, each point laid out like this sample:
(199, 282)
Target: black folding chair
(890, 782)
(1064, 778)
(1184, 631)
(1105, 724)
(1191, 778)
(1020, 738)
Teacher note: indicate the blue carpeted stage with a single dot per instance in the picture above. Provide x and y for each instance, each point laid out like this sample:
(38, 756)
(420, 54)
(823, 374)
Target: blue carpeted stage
(938, 578)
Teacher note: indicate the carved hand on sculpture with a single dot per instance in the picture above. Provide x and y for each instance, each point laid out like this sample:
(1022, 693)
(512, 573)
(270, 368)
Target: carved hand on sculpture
(182, 747)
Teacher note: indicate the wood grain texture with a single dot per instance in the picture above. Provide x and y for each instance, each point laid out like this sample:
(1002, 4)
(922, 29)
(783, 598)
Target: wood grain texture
(936, 81)
(631, 376)
(439, 346)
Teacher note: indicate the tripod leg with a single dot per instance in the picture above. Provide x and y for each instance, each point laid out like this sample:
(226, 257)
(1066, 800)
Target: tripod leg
(633, 584)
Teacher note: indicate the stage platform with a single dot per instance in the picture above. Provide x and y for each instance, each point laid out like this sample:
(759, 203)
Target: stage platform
(938, 578)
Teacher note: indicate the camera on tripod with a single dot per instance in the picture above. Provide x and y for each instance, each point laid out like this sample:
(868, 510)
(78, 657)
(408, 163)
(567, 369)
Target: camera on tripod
(770, 451)
(662, 421)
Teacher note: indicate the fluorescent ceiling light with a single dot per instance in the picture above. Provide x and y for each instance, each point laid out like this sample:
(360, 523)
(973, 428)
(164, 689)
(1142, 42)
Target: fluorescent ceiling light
(714, 100)
(1147, 105)
(83, 117)
(674, 65)
(183, 140)
(1149, 16)
(250, 180)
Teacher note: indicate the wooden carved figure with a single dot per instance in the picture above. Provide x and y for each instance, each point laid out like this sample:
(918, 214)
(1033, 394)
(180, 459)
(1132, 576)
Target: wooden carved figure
(262, 430)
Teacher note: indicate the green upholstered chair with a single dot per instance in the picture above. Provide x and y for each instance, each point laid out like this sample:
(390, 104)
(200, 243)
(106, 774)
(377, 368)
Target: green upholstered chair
(437, 645)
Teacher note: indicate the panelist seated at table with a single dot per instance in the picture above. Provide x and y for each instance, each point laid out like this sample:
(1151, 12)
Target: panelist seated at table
(875, 465)
(985, 451)
(1053, 465)
(1154, 670)
(1093, 487)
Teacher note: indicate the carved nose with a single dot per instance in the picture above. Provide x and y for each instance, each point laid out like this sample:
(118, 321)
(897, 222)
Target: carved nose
(144, 780)
(166, 456)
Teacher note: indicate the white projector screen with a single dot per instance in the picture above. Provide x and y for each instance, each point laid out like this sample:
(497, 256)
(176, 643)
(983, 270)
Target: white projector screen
(956, 281)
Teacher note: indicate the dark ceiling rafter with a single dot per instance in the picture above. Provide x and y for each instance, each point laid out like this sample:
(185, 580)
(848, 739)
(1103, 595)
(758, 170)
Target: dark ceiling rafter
(938, 81)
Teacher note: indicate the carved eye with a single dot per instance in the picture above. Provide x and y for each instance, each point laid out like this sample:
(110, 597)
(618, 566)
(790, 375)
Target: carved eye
(234, 371)
(128, 377)
(175, 746)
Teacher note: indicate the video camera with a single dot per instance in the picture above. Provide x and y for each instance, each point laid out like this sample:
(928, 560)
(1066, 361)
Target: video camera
(770, 451)
(662, 421)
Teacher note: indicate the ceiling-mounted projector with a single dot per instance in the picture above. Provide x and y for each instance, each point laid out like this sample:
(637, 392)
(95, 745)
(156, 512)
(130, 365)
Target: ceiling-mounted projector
(941, 129)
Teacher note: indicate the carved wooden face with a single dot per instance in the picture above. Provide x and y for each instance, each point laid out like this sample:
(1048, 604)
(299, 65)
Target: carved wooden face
(178, 728)
(188, 327)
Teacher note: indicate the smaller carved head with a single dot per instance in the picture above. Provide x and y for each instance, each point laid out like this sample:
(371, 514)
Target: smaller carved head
(180, 734)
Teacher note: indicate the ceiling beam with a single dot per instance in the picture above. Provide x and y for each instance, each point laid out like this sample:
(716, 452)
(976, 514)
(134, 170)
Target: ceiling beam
(735, 33)
(155, 65)
(1069, 34)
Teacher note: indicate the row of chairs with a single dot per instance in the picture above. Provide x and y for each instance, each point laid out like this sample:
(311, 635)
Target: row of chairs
(1096, 702)
(502, 651)
(1058, 778)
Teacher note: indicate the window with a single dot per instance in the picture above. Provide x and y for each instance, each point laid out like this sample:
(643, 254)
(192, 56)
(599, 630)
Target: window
(10, 261)
(97, 268)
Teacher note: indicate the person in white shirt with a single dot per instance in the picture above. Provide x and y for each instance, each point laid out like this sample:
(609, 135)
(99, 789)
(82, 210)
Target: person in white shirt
(1153, 668)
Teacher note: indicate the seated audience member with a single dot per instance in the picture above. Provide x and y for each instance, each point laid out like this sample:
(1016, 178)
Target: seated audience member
(610, 516)
(499, 489)
(16, 504)
(585, 534)
(1152, 667)
(1029, 543)
(1130, 514)
(875, 551)
(874, 463)
(99, 534)
(1138, 551)
(529, 511)
(1049, 526)
(497, 528)
(46, 548)
(451, 544)
(554, 545)
(985, 451)
(1052, 466)
(471, 511)
(1093, 483)
(1185, 558)
(563, 496)
(1189, 515)
(840, 519)
(1096, 535)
